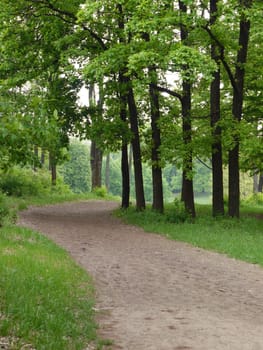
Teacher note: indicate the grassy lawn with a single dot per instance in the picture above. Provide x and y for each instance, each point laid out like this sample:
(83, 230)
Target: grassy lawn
(46, 299)
(241, 239)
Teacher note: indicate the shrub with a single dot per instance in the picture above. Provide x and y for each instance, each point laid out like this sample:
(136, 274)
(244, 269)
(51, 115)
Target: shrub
(178, 214)
(23, 182)
(100, 191)
(255, 199)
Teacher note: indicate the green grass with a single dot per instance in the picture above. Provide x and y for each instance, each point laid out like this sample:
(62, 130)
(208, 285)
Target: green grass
(20, 203)
(45, 298)
(241, 239)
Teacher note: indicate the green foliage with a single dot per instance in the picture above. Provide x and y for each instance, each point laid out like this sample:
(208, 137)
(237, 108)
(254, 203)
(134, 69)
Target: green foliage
(58, 47)
(22, 182)
(178, 214)
(100, 192)
(255, 200)
(76, 171)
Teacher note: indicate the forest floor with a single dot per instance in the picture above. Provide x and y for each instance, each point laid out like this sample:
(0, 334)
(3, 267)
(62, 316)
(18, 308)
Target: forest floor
(153, 293)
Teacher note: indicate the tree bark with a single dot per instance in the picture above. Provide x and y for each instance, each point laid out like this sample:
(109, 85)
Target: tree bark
(136, 147)
(255, 183)
(124, 150)
(107, 172)
(36, 158)
(95, 152)
(53, 169)
(157, 182)
(260, 183)
(123, 83)
(125, 177)
(42, 157)
(187, 184)
(237, 109)
(96, 165)
(217, 158)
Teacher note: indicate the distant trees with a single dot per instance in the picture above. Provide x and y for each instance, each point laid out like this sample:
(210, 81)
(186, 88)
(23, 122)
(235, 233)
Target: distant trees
(76, 171)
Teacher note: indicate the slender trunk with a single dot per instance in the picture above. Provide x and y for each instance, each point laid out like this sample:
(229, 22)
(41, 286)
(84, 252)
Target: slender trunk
(158, 204)
(107, 172)
(237, 109)
(136, 147)
(255, 183)
(95, 152)
(42, 157)
(130, 159)
(187, 181)
(187, 185)
(125, 177)
(124, 150)
(36, 158)
(96, 165)
(123, 83)
(53, 169)
(260, 183)
(217, 158)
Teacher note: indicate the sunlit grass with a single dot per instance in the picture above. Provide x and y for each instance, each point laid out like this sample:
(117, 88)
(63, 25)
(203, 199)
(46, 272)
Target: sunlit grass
(238, 238)
(46, 300)
(20, 203)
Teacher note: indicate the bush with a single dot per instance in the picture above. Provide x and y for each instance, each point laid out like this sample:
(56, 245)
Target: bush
(178, 214)
(24, 182)
(255, 199)
(100, 191)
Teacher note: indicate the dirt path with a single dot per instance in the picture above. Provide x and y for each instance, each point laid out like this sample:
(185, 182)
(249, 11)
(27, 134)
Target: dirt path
(156, 294)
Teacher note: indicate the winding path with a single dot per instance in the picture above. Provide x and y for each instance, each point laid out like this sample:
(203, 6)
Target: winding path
(153, 293)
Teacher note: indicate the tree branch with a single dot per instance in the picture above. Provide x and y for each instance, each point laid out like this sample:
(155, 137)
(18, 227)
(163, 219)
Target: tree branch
(222, 56)
(63, 13)
(169, 92)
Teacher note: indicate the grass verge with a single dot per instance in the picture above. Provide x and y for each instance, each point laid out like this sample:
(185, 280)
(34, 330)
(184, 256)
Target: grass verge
(46, 299)
(241, 239)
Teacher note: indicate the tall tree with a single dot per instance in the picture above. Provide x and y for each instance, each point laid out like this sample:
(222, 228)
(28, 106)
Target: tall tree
(157, 182)
(217, 157)
(187, 185)
(237, 107)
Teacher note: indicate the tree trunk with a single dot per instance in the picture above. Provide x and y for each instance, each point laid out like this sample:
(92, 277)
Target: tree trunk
(255, 183)
(187, 185)
(95, 152)
(96, 165)
(53, 169)
(125, 177)
(42, 157)
(107, 172)
(123, 83)
(124, 150)
(260, 183)
(217, 159)
(136, 147)
(156, 143)
(36, 157)
(237, 109)
(130, 159)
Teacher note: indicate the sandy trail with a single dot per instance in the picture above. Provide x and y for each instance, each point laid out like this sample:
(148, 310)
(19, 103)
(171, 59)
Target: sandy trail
(153, 293)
